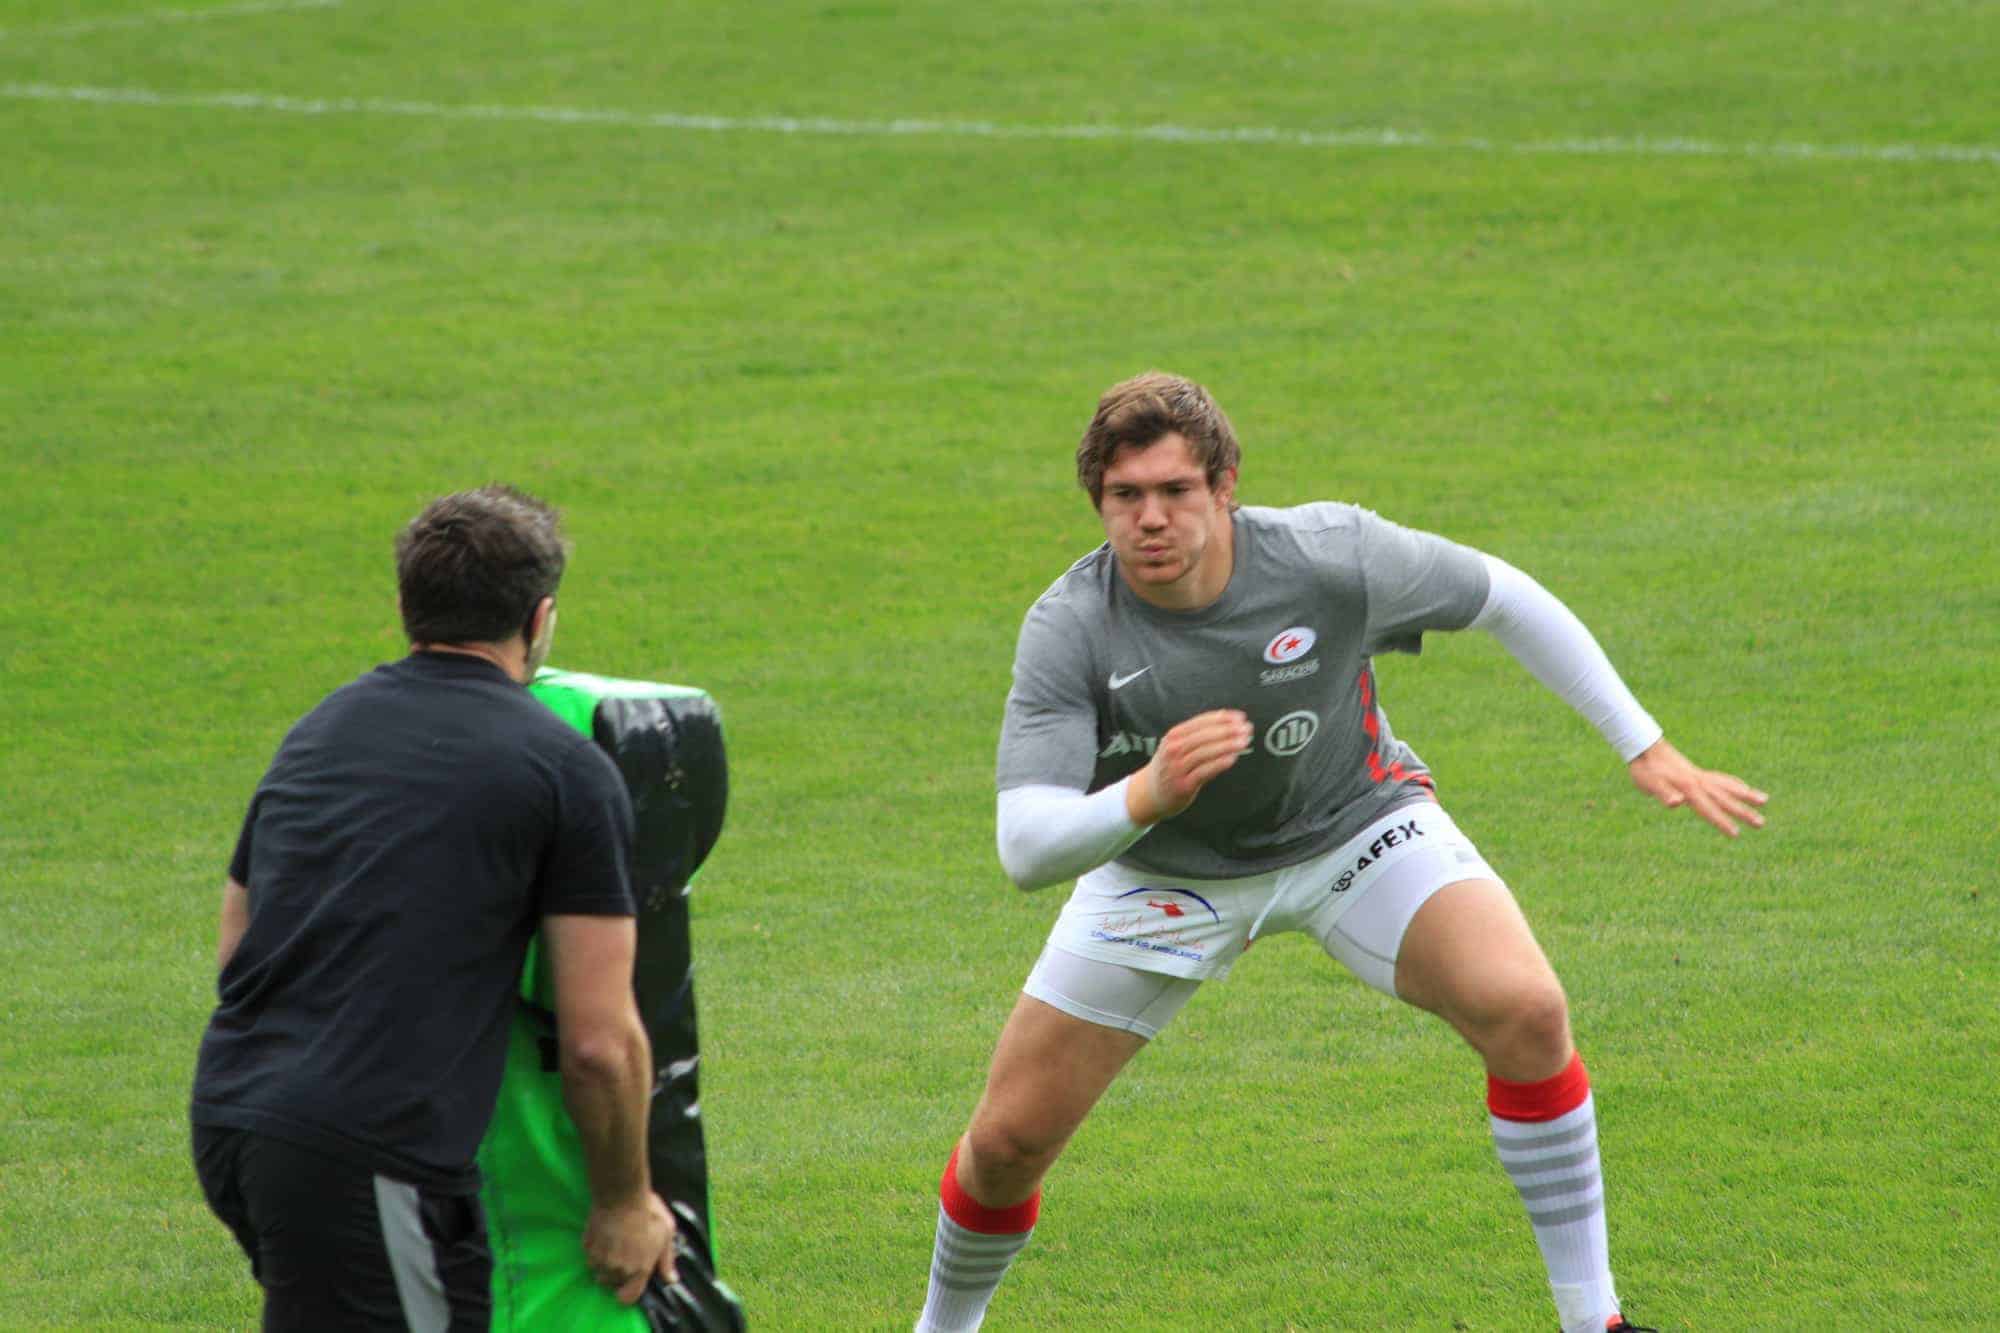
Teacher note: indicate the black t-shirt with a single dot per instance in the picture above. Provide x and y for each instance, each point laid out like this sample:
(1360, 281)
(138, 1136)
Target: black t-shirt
(410, 834)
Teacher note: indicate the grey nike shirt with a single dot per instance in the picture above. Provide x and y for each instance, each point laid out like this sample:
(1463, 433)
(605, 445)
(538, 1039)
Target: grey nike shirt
(1316, 591)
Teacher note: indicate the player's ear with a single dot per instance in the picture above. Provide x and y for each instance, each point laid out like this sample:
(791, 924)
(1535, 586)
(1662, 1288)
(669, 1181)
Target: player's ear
(1225, 487)
(541, 621)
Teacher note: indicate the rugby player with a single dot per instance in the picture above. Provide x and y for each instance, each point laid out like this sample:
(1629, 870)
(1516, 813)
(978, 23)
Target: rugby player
(1195, 730)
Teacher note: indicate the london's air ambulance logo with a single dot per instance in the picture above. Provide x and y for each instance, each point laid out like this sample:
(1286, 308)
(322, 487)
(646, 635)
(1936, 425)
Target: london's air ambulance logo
(1285, 651)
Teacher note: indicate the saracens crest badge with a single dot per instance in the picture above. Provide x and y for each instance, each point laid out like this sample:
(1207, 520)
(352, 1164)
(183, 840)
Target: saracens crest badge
(1289, 645)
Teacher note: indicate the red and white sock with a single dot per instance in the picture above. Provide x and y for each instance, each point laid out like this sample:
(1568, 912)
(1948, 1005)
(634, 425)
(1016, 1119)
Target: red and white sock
(1546, 1134)
(975, 1245)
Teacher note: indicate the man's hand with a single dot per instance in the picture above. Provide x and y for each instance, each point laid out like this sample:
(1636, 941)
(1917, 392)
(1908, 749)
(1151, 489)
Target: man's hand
(1188, 758)
(1666, 775)
(626, 1246)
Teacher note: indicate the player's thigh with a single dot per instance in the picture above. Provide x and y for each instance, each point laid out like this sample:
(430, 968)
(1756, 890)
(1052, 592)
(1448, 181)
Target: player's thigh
(1050, 1066)
(1112, 995)
(1470, 956)
(1374, 889)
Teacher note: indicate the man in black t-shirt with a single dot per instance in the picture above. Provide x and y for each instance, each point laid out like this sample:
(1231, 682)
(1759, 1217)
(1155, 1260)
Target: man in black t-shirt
(414, 831)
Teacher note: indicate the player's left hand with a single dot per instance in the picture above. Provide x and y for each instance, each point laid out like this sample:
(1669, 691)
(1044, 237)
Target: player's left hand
(1667, 775)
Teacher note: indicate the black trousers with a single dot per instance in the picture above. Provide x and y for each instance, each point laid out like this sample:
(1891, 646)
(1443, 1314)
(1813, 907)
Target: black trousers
(339, 1247)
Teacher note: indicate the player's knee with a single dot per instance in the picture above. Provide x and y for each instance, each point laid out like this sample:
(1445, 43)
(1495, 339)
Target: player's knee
(1002, 1151)
(1537, 1021)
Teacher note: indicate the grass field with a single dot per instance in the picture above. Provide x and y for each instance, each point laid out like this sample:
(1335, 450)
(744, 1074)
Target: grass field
(797, 309)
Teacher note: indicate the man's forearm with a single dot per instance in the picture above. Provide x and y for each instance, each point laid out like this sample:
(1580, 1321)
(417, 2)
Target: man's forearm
(1046, 834)
(1547, 638)
(606, 1087)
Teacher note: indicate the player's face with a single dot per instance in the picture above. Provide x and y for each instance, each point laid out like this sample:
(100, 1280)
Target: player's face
(1169, 529)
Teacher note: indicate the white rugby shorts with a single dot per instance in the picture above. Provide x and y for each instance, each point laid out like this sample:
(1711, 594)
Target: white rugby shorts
(1356, 900)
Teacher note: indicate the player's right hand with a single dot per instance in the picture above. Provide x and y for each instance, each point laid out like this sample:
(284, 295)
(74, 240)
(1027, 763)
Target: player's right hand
(1188, 758)
(627, 1245)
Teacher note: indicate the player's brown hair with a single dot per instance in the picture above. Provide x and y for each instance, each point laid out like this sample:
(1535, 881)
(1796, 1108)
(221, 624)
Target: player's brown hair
(1143, 410)
(472, 567)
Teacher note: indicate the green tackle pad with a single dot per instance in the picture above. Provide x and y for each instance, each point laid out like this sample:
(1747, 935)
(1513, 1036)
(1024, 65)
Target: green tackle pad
(667, 742)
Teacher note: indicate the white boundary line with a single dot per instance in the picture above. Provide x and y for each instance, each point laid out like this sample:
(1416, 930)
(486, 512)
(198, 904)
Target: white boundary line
(1988, 154)
(152, 17)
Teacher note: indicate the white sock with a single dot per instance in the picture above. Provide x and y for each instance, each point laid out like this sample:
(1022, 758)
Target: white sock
(1553, 1163)
(975, 1245)
(966, 1268)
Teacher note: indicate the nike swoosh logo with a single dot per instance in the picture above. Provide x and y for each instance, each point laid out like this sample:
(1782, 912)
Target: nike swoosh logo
(1119, 682)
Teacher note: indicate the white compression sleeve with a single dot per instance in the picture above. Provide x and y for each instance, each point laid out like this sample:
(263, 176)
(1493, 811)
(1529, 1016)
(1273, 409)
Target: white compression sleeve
(1048, 834)
(1547, 638)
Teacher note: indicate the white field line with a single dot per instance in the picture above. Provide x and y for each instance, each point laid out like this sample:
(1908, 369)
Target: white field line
(1608, 146)
(151, 17)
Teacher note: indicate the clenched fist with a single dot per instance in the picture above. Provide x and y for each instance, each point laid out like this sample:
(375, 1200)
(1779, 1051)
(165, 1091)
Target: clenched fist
(1188, 758)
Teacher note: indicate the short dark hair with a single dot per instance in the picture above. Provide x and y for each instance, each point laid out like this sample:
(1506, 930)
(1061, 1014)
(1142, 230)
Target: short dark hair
(472, 567)
(1146, 409)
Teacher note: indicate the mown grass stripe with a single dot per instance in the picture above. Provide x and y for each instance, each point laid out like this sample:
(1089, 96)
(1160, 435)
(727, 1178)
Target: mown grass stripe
(80, 27)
